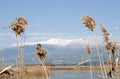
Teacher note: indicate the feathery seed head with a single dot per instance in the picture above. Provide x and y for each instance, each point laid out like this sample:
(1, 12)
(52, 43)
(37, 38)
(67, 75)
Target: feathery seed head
(89, 22)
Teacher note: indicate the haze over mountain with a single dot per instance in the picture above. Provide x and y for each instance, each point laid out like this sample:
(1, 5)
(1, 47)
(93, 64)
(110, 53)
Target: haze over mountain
(60, 51)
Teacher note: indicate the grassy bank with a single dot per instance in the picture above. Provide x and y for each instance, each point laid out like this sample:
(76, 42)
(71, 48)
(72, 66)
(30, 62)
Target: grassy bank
(25, 72)
(37, 72)
(77, 67)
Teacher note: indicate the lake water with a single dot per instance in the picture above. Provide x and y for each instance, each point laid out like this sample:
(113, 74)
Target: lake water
(73, 74)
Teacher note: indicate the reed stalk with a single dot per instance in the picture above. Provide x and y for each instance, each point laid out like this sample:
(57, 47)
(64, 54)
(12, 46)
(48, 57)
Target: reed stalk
(41, 56)
(19, 27)
(44, 67)
(18, 52)
(22, 51)
(91, 67)
(110, 46)
(89, 53)
(100, 57)
(18, 59)
(90, 23)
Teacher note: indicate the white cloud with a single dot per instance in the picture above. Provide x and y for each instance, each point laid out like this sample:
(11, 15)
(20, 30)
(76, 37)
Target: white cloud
(58, 41)
(52, 34)
(117, 28)
(62, 39)
(37, 24)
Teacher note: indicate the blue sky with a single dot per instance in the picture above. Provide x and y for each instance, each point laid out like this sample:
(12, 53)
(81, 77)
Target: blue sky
(58, 18)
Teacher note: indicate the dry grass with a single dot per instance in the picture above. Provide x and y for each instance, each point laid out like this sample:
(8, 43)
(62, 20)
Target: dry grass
(115, 47)
(105, 33)
(88, 49)
(21, 20)
(77, 67)
(19, 25)
(27, 72)
(89, 22)
(41, 52)
(109, 44)
(111, 47)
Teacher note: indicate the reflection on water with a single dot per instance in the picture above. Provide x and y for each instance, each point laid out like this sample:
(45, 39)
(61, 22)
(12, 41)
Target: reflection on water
(73, 74)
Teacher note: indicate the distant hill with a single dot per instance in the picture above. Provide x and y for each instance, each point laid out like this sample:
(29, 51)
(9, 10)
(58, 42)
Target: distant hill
(60, 51)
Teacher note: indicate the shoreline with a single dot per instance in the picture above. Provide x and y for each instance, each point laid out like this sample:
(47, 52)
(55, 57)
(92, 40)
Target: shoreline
(79, 67)
(69, 67)
(37, 71)
(107, 67)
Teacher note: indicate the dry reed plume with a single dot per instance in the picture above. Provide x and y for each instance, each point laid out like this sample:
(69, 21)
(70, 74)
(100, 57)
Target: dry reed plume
(89, 53)
(19, 26)
(115, 47)
(105, 33)
(88, 49)
(41, 52)
(89, 22)
(112, 47)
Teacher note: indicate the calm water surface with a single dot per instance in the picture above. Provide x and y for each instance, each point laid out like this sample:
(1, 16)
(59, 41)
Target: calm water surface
(73, 74)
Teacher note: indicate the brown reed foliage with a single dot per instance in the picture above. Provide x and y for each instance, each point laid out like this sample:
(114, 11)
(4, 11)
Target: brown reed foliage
(104, 30)
(88, 49)
(21, 20)
(19, 26)
(105, 33)
(26, 72)
(89, 22)
(108, 46)
(41, 52)
(115, 47)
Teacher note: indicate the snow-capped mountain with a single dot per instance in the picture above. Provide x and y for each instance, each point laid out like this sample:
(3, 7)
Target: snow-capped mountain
(73, 43)
(69, 51)
(64, 42)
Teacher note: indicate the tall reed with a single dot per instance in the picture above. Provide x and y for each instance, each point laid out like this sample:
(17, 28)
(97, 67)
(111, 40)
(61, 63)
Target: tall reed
(90, 23)
(41, 56)
(112, 48)
(19, 27)
(89, 53)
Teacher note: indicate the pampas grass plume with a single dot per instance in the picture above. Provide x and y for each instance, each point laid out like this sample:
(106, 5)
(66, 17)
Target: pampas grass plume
(88, 49)
(89, 22)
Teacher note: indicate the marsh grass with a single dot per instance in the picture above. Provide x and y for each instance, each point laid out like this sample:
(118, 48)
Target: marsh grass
(19, 27)
(90, 23)
(26, 72)
(41, 54)
(100, 56)
(112, 48)
(89, 53)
